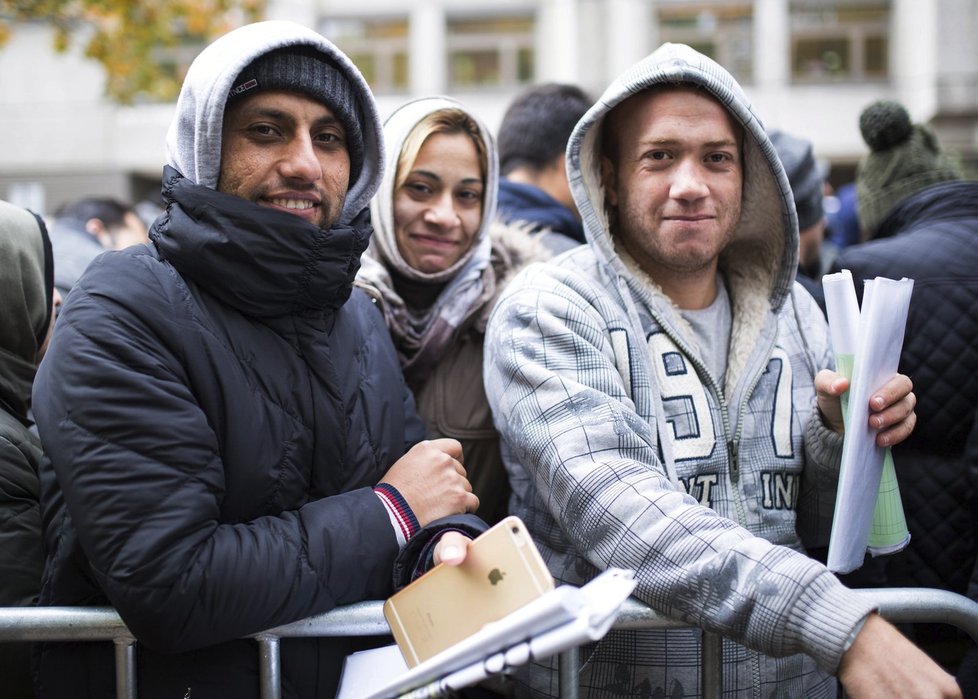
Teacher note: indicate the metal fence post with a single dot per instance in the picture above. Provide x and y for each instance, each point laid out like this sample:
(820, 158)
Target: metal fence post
(568, 667)
(269, 666)
(125, 668)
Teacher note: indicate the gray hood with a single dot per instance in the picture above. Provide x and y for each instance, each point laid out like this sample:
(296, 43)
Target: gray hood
(193, 143)
(764, 249)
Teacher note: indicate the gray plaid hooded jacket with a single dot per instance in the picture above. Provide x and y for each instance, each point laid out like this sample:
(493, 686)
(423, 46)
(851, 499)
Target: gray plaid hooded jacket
(624, 451)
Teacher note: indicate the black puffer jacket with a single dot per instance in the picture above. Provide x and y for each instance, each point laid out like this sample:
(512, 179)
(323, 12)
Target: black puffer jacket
(216, 407)
(932, 237)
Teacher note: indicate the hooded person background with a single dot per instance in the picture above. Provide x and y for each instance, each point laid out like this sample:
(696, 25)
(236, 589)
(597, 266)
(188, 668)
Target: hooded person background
(663, 404)
(229, 436)
(28, 300)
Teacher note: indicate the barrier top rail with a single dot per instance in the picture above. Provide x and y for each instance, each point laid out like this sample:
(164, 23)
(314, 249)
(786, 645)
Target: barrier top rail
(32, 624)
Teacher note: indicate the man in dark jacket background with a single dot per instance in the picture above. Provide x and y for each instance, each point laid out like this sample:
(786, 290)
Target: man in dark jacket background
(82, 229)
(229, 437)
(533, 188)
(921, 218)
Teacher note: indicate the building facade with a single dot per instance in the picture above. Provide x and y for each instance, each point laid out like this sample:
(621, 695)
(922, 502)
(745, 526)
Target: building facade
(809, 66)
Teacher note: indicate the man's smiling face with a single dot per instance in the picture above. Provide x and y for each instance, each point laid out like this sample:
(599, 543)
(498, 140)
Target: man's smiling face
(286, 151)
(674, 180)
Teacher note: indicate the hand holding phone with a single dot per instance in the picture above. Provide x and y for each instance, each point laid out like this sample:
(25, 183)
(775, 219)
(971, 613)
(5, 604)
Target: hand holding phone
(502, 572)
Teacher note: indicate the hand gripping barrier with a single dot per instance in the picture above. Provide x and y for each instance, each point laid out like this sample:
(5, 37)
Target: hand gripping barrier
(102, 624)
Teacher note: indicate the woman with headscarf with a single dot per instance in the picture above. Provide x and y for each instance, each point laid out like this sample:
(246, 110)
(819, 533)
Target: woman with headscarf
(436, 263)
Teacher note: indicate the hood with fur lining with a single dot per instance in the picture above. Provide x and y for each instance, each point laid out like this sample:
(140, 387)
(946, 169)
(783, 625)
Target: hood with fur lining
(760, 261)
(764, 249)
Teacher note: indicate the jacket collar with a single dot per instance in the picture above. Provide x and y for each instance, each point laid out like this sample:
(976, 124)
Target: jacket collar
(523, 202)
(263, 262)
(940, 202)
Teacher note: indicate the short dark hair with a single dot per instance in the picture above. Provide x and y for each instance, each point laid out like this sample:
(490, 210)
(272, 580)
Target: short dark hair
(111, 212)
(537, 125)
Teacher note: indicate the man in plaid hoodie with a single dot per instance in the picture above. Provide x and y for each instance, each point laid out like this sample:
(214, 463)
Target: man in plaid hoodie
(665, 405)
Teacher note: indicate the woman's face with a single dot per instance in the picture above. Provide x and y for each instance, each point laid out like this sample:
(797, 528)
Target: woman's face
(438, 208)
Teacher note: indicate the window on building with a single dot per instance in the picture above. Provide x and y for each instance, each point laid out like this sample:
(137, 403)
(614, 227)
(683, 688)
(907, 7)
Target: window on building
(378, 47)
(489, 52)
(839, 41)
(721, 30)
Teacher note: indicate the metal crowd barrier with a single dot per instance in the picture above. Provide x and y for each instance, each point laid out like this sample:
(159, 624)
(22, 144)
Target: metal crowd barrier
(910, 605)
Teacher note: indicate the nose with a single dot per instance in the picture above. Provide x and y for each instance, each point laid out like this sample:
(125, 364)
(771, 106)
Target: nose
(688, 183)
(441, 212)
(300, 162)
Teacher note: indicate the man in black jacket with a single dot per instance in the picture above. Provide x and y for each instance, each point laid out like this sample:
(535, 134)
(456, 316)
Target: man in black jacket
(921, 218)
(229, 437)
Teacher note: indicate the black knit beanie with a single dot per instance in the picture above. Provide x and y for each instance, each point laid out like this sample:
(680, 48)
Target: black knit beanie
(307, 70)
(904, 158)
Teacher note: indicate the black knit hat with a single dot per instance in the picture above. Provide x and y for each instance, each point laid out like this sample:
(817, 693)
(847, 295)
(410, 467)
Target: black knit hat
(904, 158)
(307, 70)
(804, 175)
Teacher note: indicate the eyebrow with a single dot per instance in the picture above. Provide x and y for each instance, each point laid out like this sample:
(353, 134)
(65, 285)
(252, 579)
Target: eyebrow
(280, 114)
(433, 176)
(719, 143)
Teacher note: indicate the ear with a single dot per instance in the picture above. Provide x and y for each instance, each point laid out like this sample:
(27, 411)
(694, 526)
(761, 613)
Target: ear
(609, 181)
(96, 228)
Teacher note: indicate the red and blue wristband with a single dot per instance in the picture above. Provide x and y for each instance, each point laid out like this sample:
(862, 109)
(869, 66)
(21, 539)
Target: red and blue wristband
(402, 518)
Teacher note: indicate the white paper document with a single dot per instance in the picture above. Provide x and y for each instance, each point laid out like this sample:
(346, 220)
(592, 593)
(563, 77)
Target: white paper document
(563, 618)
(867, 344)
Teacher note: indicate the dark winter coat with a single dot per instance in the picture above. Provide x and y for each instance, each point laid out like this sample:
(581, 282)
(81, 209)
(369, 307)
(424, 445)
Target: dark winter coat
(932, 238)
(540, 214)
(216, 407)
(26, 281)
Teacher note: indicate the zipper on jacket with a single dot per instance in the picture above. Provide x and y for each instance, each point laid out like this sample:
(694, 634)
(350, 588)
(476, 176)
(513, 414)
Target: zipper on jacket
(733, 444)
(733, 447)
(734, 462)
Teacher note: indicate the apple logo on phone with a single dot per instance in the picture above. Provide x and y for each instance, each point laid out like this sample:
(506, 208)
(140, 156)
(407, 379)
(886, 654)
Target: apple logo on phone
(495, 576)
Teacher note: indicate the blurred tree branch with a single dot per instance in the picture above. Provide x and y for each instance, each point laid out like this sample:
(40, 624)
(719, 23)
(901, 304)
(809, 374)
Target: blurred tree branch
(137, 41)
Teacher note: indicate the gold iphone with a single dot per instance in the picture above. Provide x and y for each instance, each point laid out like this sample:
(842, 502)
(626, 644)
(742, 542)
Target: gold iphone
(502, 572)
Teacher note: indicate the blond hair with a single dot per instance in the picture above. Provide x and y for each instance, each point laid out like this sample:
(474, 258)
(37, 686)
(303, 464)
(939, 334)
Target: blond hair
(442, 121)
